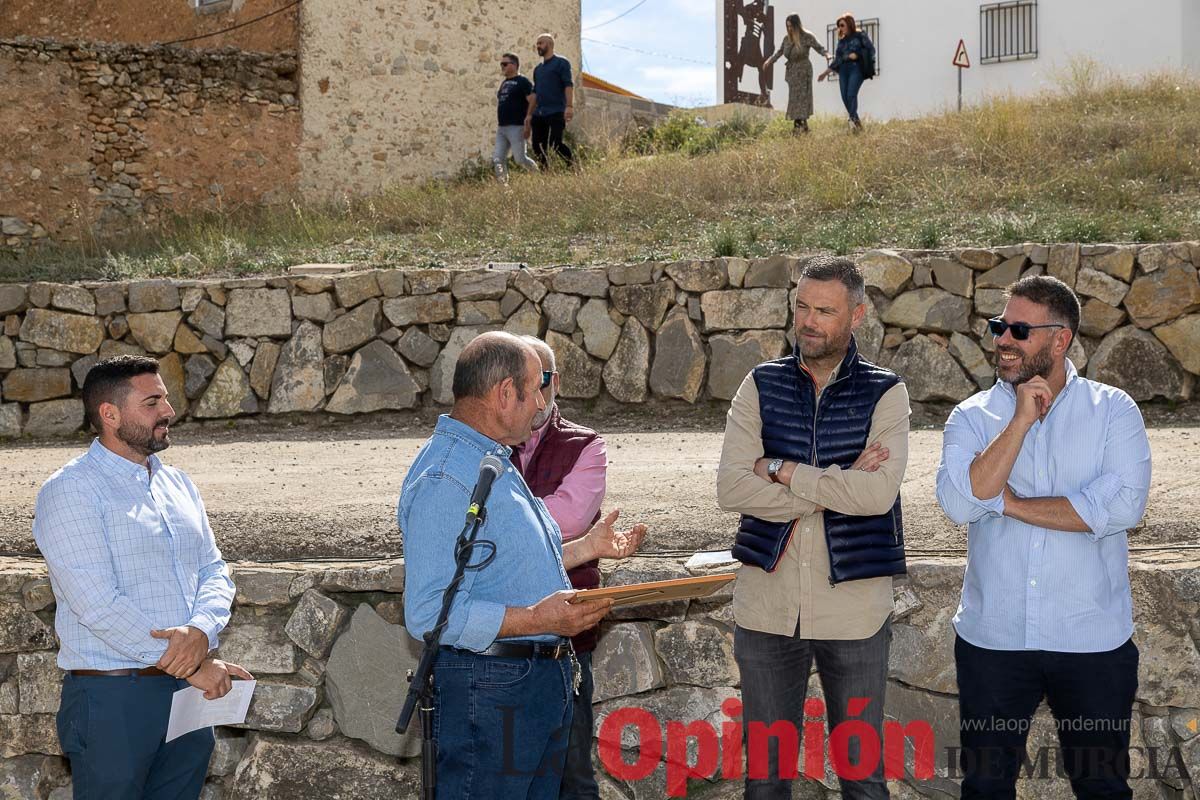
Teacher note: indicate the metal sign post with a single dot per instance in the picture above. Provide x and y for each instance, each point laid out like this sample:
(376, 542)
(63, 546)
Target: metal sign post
(962, 62)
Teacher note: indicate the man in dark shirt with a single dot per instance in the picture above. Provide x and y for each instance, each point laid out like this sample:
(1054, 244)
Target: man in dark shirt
(554, 103)
(514, 108)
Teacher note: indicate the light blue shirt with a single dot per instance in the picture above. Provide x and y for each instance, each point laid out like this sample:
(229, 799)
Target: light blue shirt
(129, 551)
(431, 512)
(1030, 588)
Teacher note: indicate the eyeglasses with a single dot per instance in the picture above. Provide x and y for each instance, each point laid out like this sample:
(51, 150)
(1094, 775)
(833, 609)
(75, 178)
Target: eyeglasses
(547, 375)
(1020, 330)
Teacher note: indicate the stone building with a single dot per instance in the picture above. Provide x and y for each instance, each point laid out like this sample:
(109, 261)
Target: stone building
(101, 126)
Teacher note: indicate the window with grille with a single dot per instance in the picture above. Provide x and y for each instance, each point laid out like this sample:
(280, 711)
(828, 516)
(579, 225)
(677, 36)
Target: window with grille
(1008, 31)
(868, 26)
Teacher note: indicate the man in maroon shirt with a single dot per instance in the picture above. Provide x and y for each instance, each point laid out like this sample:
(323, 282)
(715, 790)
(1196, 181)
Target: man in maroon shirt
(565, 465)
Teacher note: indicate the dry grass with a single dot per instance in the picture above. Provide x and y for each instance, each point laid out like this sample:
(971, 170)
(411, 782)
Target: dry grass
(1098, 160)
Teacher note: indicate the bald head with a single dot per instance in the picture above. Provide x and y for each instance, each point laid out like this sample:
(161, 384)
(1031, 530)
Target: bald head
(488, 360)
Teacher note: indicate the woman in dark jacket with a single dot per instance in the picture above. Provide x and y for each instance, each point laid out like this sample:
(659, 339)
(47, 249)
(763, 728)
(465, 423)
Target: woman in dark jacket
(853, 49)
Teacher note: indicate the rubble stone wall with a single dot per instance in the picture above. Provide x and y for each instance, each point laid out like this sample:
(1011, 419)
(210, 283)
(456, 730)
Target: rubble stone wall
(355, 342)
(136, 131)
(400, 92)
(326, 644)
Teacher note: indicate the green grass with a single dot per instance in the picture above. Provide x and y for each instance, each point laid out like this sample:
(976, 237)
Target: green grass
(1100, 159)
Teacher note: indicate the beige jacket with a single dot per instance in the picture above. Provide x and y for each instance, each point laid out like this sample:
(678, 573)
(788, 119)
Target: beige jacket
(797, 598)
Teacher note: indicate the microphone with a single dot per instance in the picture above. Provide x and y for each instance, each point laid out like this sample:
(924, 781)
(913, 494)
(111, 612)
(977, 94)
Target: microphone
(489, 469)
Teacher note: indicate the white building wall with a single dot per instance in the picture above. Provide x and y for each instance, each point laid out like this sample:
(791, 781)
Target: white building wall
(918, 38)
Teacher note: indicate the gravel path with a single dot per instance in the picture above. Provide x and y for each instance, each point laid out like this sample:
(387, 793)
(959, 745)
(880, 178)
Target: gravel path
(331, 491)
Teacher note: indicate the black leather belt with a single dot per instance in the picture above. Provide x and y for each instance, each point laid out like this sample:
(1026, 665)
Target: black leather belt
(520, 650)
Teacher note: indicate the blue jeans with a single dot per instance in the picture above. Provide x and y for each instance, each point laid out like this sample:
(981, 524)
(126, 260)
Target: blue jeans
(579, 779)
(501, 726)
(112, 731)
(1090, 695)
(775, 671)
(850, 80)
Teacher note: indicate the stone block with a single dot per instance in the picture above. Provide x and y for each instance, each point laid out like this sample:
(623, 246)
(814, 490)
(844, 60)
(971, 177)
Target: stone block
(419, 310)
(73, 298)
(953, 276)
(930, 372)
(355, 288)
(929, 309)
(228, 394)
(1159, 297)
(315, 623)
(745, 309)
(697, 653)
(262, 368)
(299, 379)
(886, 270)
(258, 312)
(54, 418)
(280, 707)
(625, 662)
(40, 682)
(257, 642)
(600, 333)
(32, 385)
(647, 302)
(628, 368)
(418, 347)
(583, 282)
(286, 768)
(56, 330)
(1093, 283)
(734, 355)
(364, 706)
(579, 372)
(155, 331)
(561, 312)
(353, 329)
(316, 307)
(208, 318)
(1134, 360)
(155, 295)
(478, 285)
(427, 281)
(21, 631)
(1182, 338)
(697, 276)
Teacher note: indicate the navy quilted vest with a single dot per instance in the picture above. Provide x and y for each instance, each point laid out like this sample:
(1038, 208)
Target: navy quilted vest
(796, 428)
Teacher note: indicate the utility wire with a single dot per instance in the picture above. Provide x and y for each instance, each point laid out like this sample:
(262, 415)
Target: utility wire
(235, 27)
(631, 9)
(646, 52)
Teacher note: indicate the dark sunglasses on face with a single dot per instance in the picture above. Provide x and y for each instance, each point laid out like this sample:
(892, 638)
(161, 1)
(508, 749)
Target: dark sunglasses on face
(1020, 330)
(547, 375)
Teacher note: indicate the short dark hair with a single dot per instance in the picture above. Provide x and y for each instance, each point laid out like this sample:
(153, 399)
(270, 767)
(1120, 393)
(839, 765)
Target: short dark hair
(835, 268)
(515, 58)
(488, 360)
(1048, 291)
(108, 382)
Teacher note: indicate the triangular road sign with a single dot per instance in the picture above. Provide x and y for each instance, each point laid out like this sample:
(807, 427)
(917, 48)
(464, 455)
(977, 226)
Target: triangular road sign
(960, 55)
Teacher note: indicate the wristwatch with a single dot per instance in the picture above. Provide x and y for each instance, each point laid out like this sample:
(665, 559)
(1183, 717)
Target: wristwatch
(773, 467)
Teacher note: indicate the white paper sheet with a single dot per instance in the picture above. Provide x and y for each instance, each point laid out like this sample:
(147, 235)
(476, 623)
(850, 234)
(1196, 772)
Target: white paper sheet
(191, 712)
(709, 559)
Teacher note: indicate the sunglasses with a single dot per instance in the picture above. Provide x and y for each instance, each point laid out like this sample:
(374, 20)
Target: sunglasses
(547, 375)
(1020, 330)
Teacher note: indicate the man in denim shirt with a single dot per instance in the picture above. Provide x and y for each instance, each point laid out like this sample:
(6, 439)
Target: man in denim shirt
(503, 678)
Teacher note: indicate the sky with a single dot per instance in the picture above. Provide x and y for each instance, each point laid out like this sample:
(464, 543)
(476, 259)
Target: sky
(677, 44)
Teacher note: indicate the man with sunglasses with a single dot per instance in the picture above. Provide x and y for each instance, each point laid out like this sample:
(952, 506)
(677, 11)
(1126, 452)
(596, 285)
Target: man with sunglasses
(566, 465)
(1049, 471)
(514, 112)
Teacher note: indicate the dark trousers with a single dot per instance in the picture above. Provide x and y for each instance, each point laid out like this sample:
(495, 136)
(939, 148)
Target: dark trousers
(579, 780)
(1089, 694)
(775, 671)
(850, 80)
(501, 726)
(547, 136)
(112, 730)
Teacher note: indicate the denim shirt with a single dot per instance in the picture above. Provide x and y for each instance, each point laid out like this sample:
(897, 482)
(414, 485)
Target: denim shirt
(1031, 588)
(855, 43)
(432, 508)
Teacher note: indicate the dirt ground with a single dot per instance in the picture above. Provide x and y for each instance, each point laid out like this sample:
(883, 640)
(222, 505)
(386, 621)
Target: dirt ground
(324, 491)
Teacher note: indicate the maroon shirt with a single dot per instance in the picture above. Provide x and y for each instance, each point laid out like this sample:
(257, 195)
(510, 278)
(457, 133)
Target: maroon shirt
(544, 471)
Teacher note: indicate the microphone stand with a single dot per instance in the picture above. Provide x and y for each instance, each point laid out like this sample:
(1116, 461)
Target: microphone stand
(420, 688)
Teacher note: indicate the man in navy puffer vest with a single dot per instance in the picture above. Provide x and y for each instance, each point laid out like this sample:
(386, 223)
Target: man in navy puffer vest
(815, 449)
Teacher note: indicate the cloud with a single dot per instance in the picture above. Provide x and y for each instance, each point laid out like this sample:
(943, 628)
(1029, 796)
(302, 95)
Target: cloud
(682, 85)
(659, 28)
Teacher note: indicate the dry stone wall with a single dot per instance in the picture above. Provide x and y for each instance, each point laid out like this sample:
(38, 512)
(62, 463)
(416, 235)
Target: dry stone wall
(137, 131)
(326, 644)
(327, 340)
